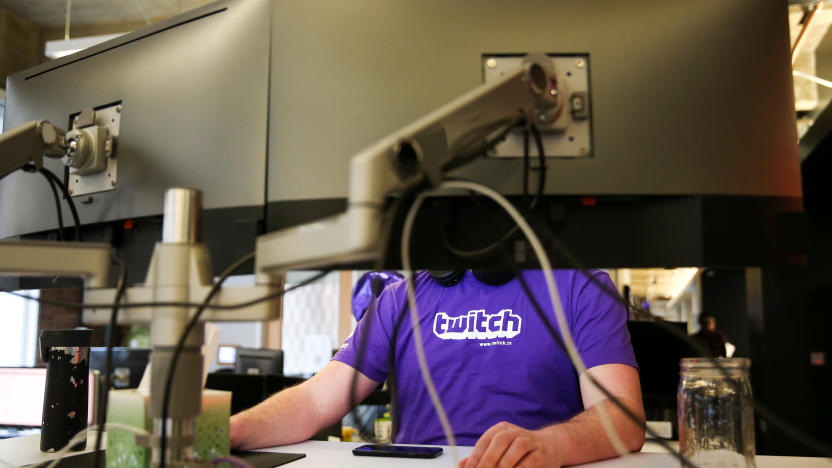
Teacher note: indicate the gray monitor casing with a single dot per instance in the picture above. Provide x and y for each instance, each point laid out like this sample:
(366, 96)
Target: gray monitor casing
(688, 97)
(194, 94)
(261, 104)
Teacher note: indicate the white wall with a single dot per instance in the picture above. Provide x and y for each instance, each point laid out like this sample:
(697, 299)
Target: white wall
(310, 323)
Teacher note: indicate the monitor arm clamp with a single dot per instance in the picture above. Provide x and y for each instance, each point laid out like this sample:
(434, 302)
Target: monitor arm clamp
(85, 147)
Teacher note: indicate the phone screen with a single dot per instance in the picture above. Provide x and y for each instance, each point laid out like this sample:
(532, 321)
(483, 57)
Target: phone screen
(404, 451)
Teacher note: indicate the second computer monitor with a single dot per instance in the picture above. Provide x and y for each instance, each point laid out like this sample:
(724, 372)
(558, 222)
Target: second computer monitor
(259, 361)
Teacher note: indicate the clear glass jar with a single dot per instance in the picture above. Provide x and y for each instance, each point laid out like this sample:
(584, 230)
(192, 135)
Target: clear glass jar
(716, 412)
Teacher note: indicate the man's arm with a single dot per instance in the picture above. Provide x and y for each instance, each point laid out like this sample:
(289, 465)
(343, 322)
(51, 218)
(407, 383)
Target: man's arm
(580, 440)
(297, 413)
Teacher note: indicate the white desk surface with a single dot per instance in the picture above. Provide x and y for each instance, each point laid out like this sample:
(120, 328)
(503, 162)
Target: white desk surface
(26, 450)
(339, 455)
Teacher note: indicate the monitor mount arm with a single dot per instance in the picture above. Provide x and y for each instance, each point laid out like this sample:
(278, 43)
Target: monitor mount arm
(85, 148)
(180, 267)
(422, 150)
(29, 143)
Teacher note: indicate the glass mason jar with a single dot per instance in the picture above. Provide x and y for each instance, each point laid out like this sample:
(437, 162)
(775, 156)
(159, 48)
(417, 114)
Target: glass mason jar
(716, 412)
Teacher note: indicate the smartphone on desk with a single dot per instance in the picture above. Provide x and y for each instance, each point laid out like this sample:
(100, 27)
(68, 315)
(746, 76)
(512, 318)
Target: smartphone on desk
(401, 451)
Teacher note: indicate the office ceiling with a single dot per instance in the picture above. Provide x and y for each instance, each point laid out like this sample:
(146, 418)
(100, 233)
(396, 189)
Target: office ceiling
(809, 24)
(52, 13)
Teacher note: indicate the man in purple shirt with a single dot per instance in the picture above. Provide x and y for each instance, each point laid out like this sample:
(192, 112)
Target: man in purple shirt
(506, 385)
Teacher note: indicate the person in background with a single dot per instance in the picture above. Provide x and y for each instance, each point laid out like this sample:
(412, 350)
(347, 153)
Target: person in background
(709, 337)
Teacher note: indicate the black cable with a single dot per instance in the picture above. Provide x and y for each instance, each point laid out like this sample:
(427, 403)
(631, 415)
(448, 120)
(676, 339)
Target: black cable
(57, 206)
(409, 191)
(137, 305)
(392, 379)
(793, 432)
(526, 165)
(541, 184)
(32, 168)
(541, 160)
(632, 416)
(392, 211)
(363, 431)
(391, 218)
(612, 398)
(189, 328)
(464, 157)
(353, 402)
(559, 341)
(181, 344)
(106, 381)
(69, 200)
(418, 183)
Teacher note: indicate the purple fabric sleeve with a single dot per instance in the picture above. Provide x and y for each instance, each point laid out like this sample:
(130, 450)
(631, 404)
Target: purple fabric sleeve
(600, 325)
(370, 342)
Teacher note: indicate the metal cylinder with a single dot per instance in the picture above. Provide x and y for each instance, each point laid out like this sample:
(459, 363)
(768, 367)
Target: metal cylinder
(180, 445)
(182, 213)
(185, 400)
(186, 388)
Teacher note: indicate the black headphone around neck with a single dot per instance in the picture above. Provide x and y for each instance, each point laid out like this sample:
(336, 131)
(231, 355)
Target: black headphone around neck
(449, 278)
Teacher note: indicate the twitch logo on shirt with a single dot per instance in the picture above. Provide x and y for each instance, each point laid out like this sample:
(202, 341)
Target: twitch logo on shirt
(477, 325)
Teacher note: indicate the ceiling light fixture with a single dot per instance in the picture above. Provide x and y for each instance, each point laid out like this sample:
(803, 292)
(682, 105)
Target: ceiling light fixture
(58, 49)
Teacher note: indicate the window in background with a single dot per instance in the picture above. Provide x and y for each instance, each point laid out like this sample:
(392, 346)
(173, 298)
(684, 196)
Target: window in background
(310, 323)
(242, 334)
(18, 335)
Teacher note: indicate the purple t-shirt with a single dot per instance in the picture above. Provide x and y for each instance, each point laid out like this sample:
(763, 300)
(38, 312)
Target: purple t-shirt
(490, 356)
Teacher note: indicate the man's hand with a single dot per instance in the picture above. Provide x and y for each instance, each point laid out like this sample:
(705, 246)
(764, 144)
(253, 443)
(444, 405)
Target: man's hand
(505, 445)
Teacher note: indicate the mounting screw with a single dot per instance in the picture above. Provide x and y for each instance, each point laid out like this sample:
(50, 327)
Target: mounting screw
(69, 190)
(553, 91)
(113, 183)
(491, 63)
(118, 108)
(582, 150)
(580, 63)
